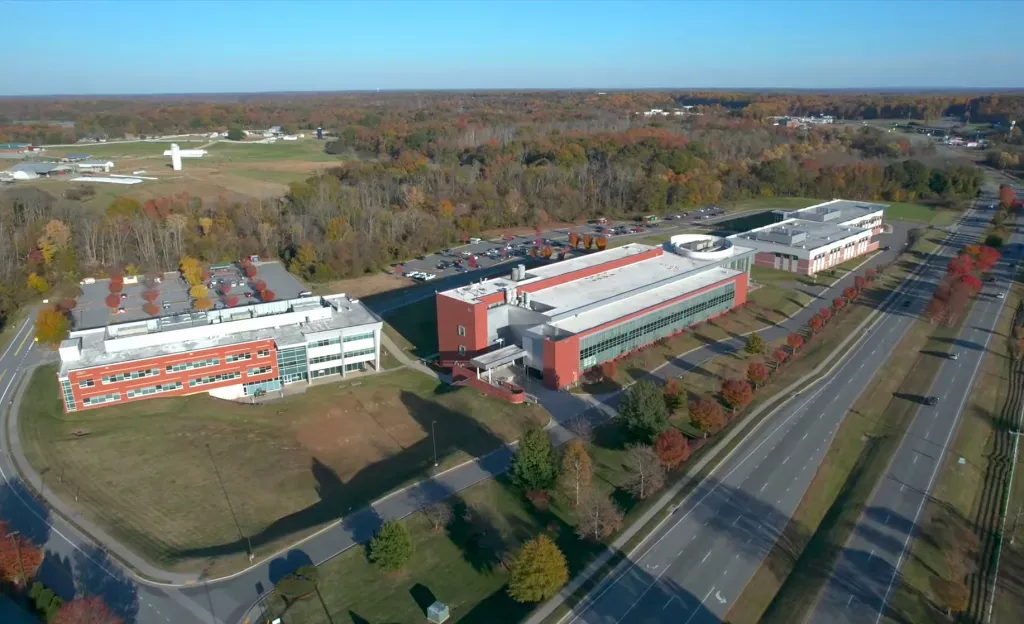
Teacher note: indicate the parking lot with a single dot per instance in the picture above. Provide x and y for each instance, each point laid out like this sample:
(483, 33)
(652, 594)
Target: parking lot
(484, 254)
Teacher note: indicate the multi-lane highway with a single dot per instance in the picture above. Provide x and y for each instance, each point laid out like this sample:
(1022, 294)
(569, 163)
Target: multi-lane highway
(697, 564)
(866, 573)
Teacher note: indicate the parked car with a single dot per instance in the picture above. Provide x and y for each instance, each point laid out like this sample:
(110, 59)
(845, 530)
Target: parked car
(931, 400)
(886, 248)
(474, 240)
(954, 356)
(1000, 295)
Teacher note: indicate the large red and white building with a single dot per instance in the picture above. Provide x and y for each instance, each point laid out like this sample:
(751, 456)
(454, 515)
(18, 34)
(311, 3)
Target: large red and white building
(564, 318)
(816, 238)
(231, 352)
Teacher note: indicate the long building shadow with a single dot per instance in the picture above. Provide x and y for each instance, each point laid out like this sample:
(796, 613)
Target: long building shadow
(456, 432)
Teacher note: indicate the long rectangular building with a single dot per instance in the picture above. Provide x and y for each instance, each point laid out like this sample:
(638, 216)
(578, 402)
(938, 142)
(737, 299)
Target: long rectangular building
(816, 238)
(567, 317)
(232, 351)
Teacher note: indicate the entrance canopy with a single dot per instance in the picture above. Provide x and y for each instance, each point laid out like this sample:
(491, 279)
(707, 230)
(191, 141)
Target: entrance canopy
(498, 358)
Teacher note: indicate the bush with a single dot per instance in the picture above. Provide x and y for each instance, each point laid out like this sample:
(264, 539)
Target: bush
(235, 134)
(392, 546)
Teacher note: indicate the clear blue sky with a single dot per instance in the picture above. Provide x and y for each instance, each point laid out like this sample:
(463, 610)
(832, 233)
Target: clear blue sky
(148, 46)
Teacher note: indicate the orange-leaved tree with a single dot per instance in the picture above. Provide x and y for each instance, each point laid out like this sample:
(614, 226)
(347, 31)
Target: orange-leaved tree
(51, 326)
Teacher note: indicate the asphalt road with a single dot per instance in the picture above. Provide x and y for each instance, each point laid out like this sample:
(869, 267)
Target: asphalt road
(698, 563)
(867, 570)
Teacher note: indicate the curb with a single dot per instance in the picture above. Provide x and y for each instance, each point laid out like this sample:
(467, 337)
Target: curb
(545, 611)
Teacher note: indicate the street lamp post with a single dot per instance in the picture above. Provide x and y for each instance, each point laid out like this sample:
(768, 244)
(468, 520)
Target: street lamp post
(433, 438)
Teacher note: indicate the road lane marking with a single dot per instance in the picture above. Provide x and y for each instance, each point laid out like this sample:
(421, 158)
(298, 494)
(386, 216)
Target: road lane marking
(706, 557)
(695, 611)
(24, 340)
(915, 459)
(785, 460)
(804, 437)
(736, 520)
(668, 602)
(886, 519)
(850, 600)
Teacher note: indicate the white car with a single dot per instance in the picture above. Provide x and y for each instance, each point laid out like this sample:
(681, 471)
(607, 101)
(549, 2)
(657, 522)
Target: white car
(474, 241)
(1000, 295)
(426, 277)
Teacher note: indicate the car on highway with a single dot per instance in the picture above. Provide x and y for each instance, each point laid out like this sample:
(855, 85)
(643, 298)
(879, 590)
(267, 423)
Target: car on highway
(954, 356)
(931, 400)
(1000, 295)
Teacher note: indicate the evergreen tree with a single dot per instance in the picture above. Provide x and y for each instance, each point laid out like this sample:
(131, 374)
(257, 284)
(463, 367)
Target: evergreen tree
(538, 571)
(643, 411)
(535, 466)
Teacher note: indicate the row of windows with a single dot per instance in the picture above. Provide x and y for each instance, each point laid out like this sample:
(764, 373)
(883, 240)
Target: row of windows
(635, 333)
(323, 342)
(69, 395)
(262, 353)
(157, 389)
(106, 398)
(86, 383)
(366, 351)
(262, 370)
(139, 374)
(210, 379)
(238, 357)
(355, 337)
(325, 358)
(336, 370)
(184, 366)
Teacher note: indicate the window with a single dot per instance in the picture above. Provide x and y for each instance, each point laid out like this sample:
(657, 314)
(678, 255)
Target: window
(238, 357)
(210, 379)
(106, 398)
(86, 383)
(355, 337)
(324, 342)
(262, 353)
(139, 374)
(262, 370)
(637, 332)
(325, 358)
(368, 351)
(462, 349)
(184, 366)
(462, 330)
(157, 389)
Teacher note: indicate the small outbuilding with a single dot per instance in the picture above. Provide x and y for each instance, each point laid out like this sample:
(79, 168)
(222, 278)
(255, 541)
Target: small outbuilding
(40, 169)
(86, 166)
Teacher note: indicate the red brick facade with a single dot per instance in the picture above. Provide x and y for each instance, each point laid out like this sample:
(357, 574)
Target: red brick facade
(164, 376)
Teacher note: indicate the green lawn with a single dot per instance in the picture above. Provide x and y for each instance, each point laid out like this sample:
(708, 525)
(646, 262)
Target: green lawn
(303, 149)
(281, 177)
(135, 149)
(903, 211)
(143, 470)
(464, 565)
(414, 327)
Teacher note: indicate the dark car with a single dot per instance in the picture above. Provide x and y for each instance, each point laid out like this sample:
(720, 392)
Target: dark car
(886, 248)
(931, 400)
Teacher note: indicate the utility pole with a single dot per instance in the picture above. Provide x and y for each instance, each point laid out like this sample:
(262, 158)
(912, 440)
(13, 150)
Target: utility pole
(433, 438)
(14, 537)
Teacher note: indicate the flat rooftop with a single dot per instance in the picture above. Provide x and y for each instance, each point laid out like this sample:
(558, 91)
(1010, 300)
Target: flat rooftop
(596, 287)
(287, 322)
(92, 311)
(800, 234)
(835, 211)
(578, 318)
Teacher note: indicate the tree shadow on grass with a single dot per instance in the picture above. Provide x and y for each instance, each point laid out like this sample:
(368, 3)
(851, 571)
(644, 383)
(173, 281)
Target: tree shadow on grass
(456, 432)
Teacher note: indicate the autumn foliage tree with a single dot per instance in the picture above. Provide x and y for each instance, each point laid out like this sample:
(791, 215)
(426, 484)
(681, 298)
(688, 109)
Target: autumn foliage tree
(961, 265)
(757, 373)
(779, 356)
(706, 414)
(737, 393)
(588, 241)
(267, 295)
(19, 558)
(151, 309)
(86, 610)
(203, 304)
(838, 304)
(577, 470)
(815, 323)
(672, 391)
(602, 243)
(825, 314)
(51, 326)
(113, 300)
(672, 448)
(574, 239)
(850, 293)
(795, 341)
(192, 270)
(538, 571)
(151, 295)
